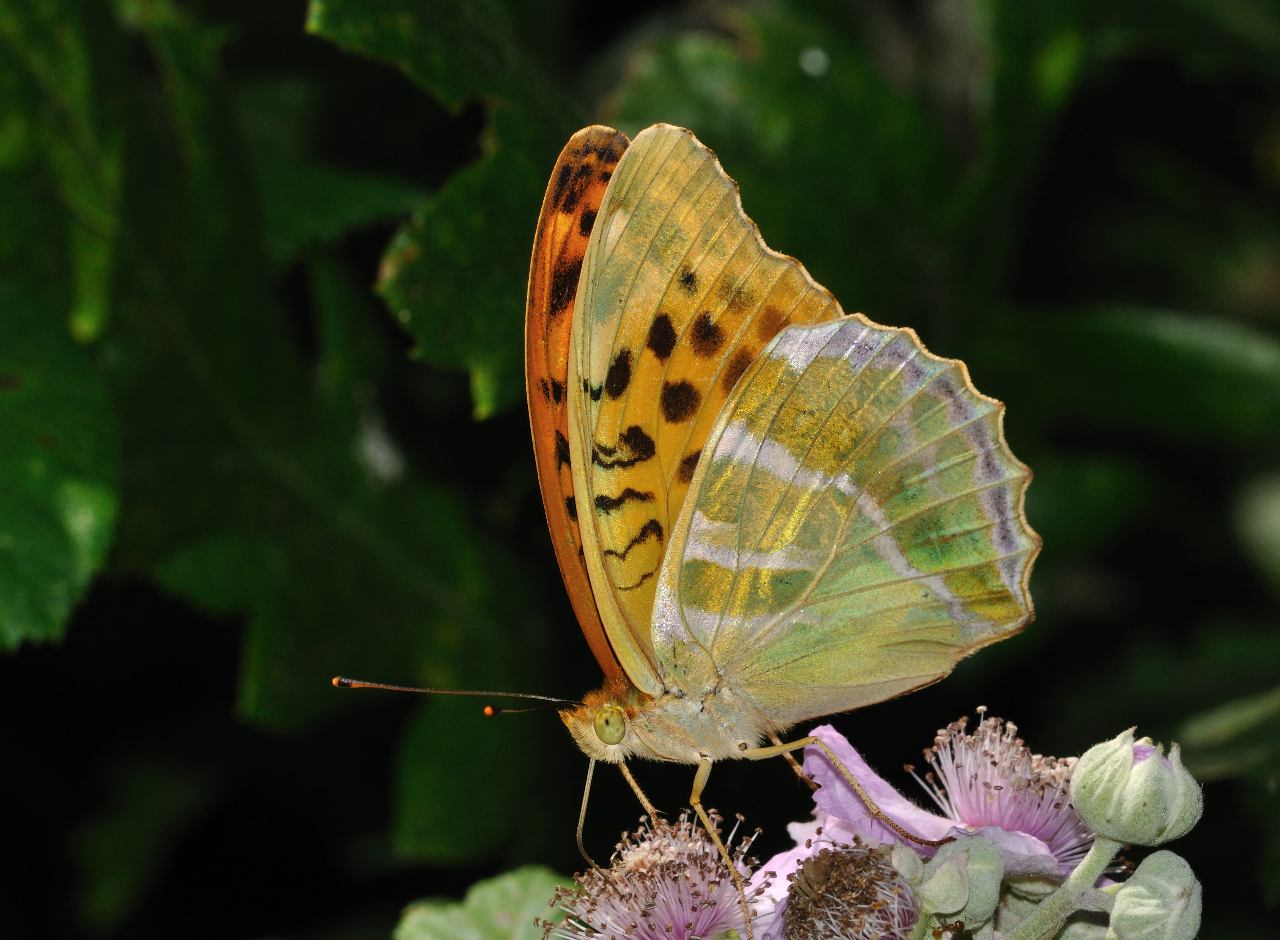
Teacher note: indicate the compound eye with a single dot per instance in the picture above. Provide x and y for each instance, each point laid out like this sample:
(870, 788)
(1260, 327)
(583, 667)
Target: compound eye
(611, 724)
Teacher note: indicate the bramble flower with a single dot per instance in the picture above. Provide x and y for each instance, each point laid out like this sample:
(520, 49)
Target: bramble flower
(987, 783)
(666, 881)
(1016, 859)
(991, 778)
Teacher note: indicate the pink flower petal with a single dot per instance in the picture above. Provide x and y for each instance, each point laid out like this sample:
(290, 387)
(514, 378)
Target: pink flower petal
(1023, 854)
(837, 798)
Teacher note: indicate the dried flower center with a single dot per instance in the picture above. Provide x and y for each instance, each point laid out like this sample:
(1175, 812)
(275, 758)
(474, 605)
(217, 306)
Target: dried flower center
(850, 892)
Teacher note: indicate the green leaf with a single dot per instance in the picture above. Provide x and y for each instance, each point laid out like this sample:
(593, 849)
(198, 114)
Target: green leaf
(451, 752)
(268, 481)
(502, 908)
(455, 49)
(59, 49)
(58, 471)
(1037, 52)
(306, 202)
(1234, 739)
(455, 275)
(835, 163)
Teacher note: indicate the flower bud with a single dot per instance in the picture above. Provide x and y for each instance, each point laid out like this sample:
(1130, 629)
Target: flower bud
(907, 862)
(1128, 791)
(1160, 901)
(962, 882)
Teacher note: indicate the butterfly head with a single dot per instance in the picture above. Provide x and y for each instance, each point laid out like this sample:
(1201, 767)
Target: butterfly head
(604, 724)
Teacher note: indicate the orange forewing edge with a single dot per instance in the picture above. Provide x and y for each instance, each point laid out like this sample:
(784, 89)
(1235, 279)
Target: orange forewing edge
(569, 209)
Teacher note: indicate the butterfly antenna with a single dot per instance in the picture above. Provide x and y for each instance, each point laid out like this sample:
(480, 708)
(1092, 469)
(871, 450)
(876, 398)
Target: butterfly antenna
(345, 682)
(491, 710)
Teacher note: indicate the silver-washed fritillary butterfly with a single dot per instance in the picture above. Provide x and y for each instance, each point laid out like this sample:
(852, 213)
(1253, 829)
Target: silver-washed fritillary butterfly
(765, 510)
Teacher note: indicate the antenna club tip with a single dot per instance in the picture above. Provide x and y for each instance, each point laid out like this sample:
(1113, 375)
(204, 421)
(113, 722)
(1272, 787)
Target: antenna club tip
(489, 711)
(340, 682)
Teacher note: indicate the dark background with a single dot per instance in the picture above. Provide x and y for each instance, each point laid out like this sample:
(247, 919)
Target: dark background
(261, 413)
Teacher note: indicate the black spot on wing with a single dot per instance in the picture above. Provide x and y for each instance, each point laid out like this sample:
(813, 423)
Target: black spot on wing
(739, 364)
(557, 391)
(638, 442)
(634, 446)
(770, 322)
(562, 184)
(651, 529)
(585, 223)
(618, 377)
(689, 281)
(564, 284)
(662, 336)
(606, 175)
(562, 450)
(679, 401)
(607, 504)
(688, 464)
(576, 186)
(706, 336)
(571, 507)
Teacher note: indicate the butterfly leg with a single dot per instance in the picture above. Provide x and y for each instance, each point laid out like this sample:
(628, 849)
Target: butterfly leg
(795, 764)
(695, 800)
(635, 788)
(762, 753)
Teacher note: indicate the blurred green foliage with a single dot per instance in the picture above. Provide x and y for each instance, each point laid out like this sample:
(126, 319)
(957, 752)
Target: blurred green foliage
(259, 271)
(502, 908)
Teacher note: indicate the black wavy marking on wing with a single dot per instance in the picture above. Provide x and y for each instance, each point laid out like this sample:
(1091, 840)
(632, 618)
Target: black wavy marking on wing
(643, 578)
(607, 504)
(634, 446)
(651, 528)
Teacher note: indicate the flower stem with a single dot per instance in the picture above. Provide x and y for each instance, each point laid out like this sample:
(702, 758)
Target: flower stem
(1047, 919)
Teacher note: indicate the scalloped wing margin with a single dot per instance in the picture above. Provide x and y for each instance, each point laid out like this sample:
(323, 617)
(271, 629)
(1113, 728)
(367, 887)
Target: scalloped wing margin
(858, 528)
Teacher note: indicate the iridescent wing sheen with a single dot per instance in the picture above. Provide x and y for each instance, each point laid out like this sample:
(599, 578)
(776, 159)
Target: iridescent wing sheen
(569, 209)
(678, 296)
(855, 529)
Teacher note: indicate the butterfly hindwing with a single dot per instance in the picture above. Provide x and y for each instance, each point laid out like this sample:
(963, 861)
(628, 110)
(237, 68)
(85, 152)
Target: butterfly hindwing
(569, 209)
(855, 529)
(678, 296)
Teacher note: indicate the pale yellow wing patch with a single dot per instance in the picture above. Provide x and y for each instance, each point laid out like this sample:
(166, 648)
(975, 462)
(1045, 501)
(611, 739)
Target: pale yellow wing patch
(678, 296)
(855, 529)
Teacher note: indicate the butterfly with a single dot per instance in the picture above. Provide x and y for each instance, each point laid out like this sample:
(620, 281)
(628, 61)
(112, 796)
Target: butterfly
(765, 510)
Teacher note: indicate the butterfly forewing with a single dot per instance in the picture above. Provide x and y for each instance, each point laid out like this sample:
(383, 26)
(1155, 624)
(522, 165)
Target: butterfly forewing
(678, 296)
(569, 209)
(856, 528)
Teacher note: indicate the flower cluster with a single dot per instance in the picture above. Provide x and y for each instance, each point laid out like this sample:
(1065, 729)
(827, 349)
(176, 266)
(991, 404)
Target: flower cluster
(1021, 848)
(666, 881)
